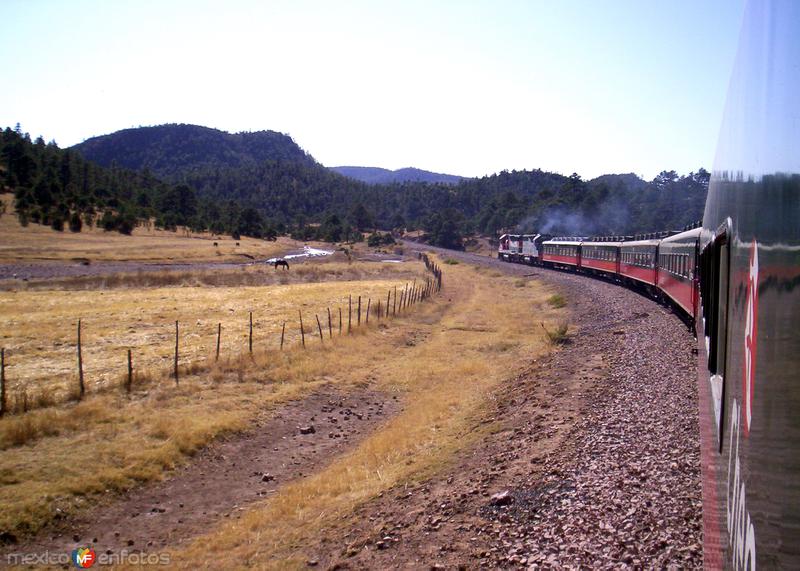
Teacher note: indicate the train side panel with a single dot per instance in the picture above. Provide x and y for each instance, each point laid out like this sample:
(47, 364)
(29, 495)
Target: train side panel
(749, 322)
(638, 261)
(600, 257)
(677, 265)
(562, 253)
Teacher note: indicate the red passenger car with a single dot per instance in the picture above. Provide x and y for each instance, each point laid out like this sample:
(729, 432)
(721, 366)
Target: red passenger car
(638, 260)
(600, 255)
(562, 252)
(677, 269)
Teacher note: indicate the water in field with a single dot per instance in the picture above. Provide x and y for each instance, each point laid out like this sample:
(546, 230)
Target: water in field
(308, 252)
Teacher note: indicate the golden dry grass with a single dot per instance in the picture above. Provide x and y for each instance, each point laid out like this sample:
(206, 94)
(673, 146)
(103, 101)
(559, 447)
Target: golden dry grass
(126, 439)
(252, 274)
(39, 328)
(455, 355)
(443, 358)
(38, 243)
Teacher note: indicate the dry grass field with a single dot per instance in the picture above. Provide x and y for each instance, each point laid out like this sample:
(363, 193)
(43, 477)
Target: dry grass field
(442, 360)
(37, 243)
(39, 328)
(449, 359)
(132, 438)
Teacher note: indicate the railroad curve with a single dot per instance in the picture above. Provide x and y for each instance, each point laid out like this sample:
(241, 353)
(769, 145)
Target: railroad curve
(598, 452)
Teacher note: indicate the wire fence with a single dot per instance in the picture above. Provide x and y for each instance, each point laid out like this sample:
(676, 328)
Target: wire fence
(360, 310)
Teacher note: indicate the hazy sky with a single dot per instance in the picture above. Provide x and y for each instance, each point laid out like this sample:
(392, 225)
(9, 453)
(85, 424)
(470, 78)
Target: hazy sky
(462, 87)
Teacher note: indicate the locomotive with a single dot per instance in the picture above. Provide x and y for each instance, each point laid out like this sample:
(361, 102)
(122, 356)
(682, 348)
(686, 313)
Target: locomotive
(736, 277)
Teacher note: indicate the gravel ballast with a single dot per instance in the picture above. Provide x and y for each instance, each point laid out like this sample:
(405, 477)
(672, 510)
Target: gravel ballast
(597, 465)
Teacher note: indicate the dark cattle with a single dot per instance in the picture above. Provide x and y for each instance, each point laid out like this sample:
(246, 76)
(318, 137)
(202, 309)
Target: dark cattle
(283, 263)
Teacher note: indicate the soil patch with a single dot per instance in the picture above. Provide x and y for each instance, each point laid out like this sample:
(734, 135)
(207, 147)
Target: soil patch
(227, 477)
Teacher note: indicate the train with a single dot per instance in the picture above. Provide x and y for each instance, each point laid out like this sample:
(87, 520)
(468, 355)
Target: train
(735, 277)
(663, 264)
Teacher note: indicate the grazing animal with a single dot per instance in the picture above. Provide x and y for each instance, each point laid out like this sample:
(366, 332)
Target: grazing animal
(215, 244)
(283, 263)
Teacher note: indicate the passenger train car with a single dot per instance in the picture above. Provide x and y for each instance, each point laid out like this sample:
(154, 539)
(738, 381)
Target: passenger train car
(737, 277)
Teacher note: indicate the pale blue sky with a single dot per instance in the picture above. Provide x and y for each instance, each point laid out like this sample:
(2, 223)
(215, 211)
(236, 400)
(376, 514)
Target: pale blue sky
(468, 88)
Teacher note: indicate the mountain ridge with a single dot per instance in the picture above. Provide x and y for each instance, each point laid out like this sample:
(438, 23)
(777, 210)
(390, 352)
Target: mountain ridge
(378, 175)
(172, 149)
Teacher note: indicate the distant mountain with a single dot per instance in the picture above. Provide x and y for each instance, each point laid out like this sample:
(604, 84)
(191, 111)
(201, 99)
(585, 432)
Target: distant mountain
(170, 151)
(375, 175)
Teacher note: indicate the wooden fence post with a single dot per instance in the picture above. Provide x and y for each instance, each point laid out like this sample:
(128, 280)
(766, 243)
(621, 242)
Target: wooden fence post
(349, 314)
(176, 352)
(319, 325)
(378, 310)
(283, 330)
(251, 332)
(130, 371)
(388, 295)
(219, 338)
(302, 333)
(359, 311)
(2, 381)
(330, 327)
(369, 302)
(81, 387)
(394, 305)
(340, 321)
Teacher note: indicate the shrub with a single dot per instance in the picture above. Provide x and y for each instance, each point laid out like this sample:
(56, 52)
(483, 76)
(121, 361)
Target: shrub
(108, 221)
(377, 239)
(557, 300)
(75, 222)
(558, 335)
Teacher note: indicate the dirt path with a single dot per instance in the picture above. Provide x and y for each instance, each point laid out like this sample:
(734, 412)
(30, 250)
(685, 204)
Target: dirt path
(595, 463)
(10, 273)
(226, 477)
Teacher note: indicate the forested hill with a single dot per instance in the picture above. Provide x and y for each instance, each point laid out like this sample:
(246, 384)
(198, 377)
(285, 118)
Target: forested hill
(241, 184)
(171, 151)
(375, 175)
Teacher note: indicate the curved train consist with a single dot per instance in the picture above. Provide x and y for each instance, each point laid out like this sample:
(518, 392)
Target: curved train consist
(736, 276)
(663, 264)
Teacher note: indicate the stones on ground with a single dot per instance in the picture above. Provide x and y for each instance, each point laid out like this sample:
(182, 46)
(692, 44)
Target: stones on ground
(307, 429)
(503, 498)
(621, 488)
(267, 478)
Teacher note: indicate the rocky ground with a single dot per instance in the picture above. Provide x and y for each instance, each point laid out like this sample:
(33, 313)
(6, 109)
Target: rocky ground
(595, 465)
(299, 438)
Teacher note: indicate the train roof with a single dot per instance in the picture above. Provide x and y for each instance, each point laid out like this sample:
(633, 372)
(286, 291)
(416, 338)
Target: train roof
(692, 233)
(568, 239)
(643, 242)
(521, 236)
